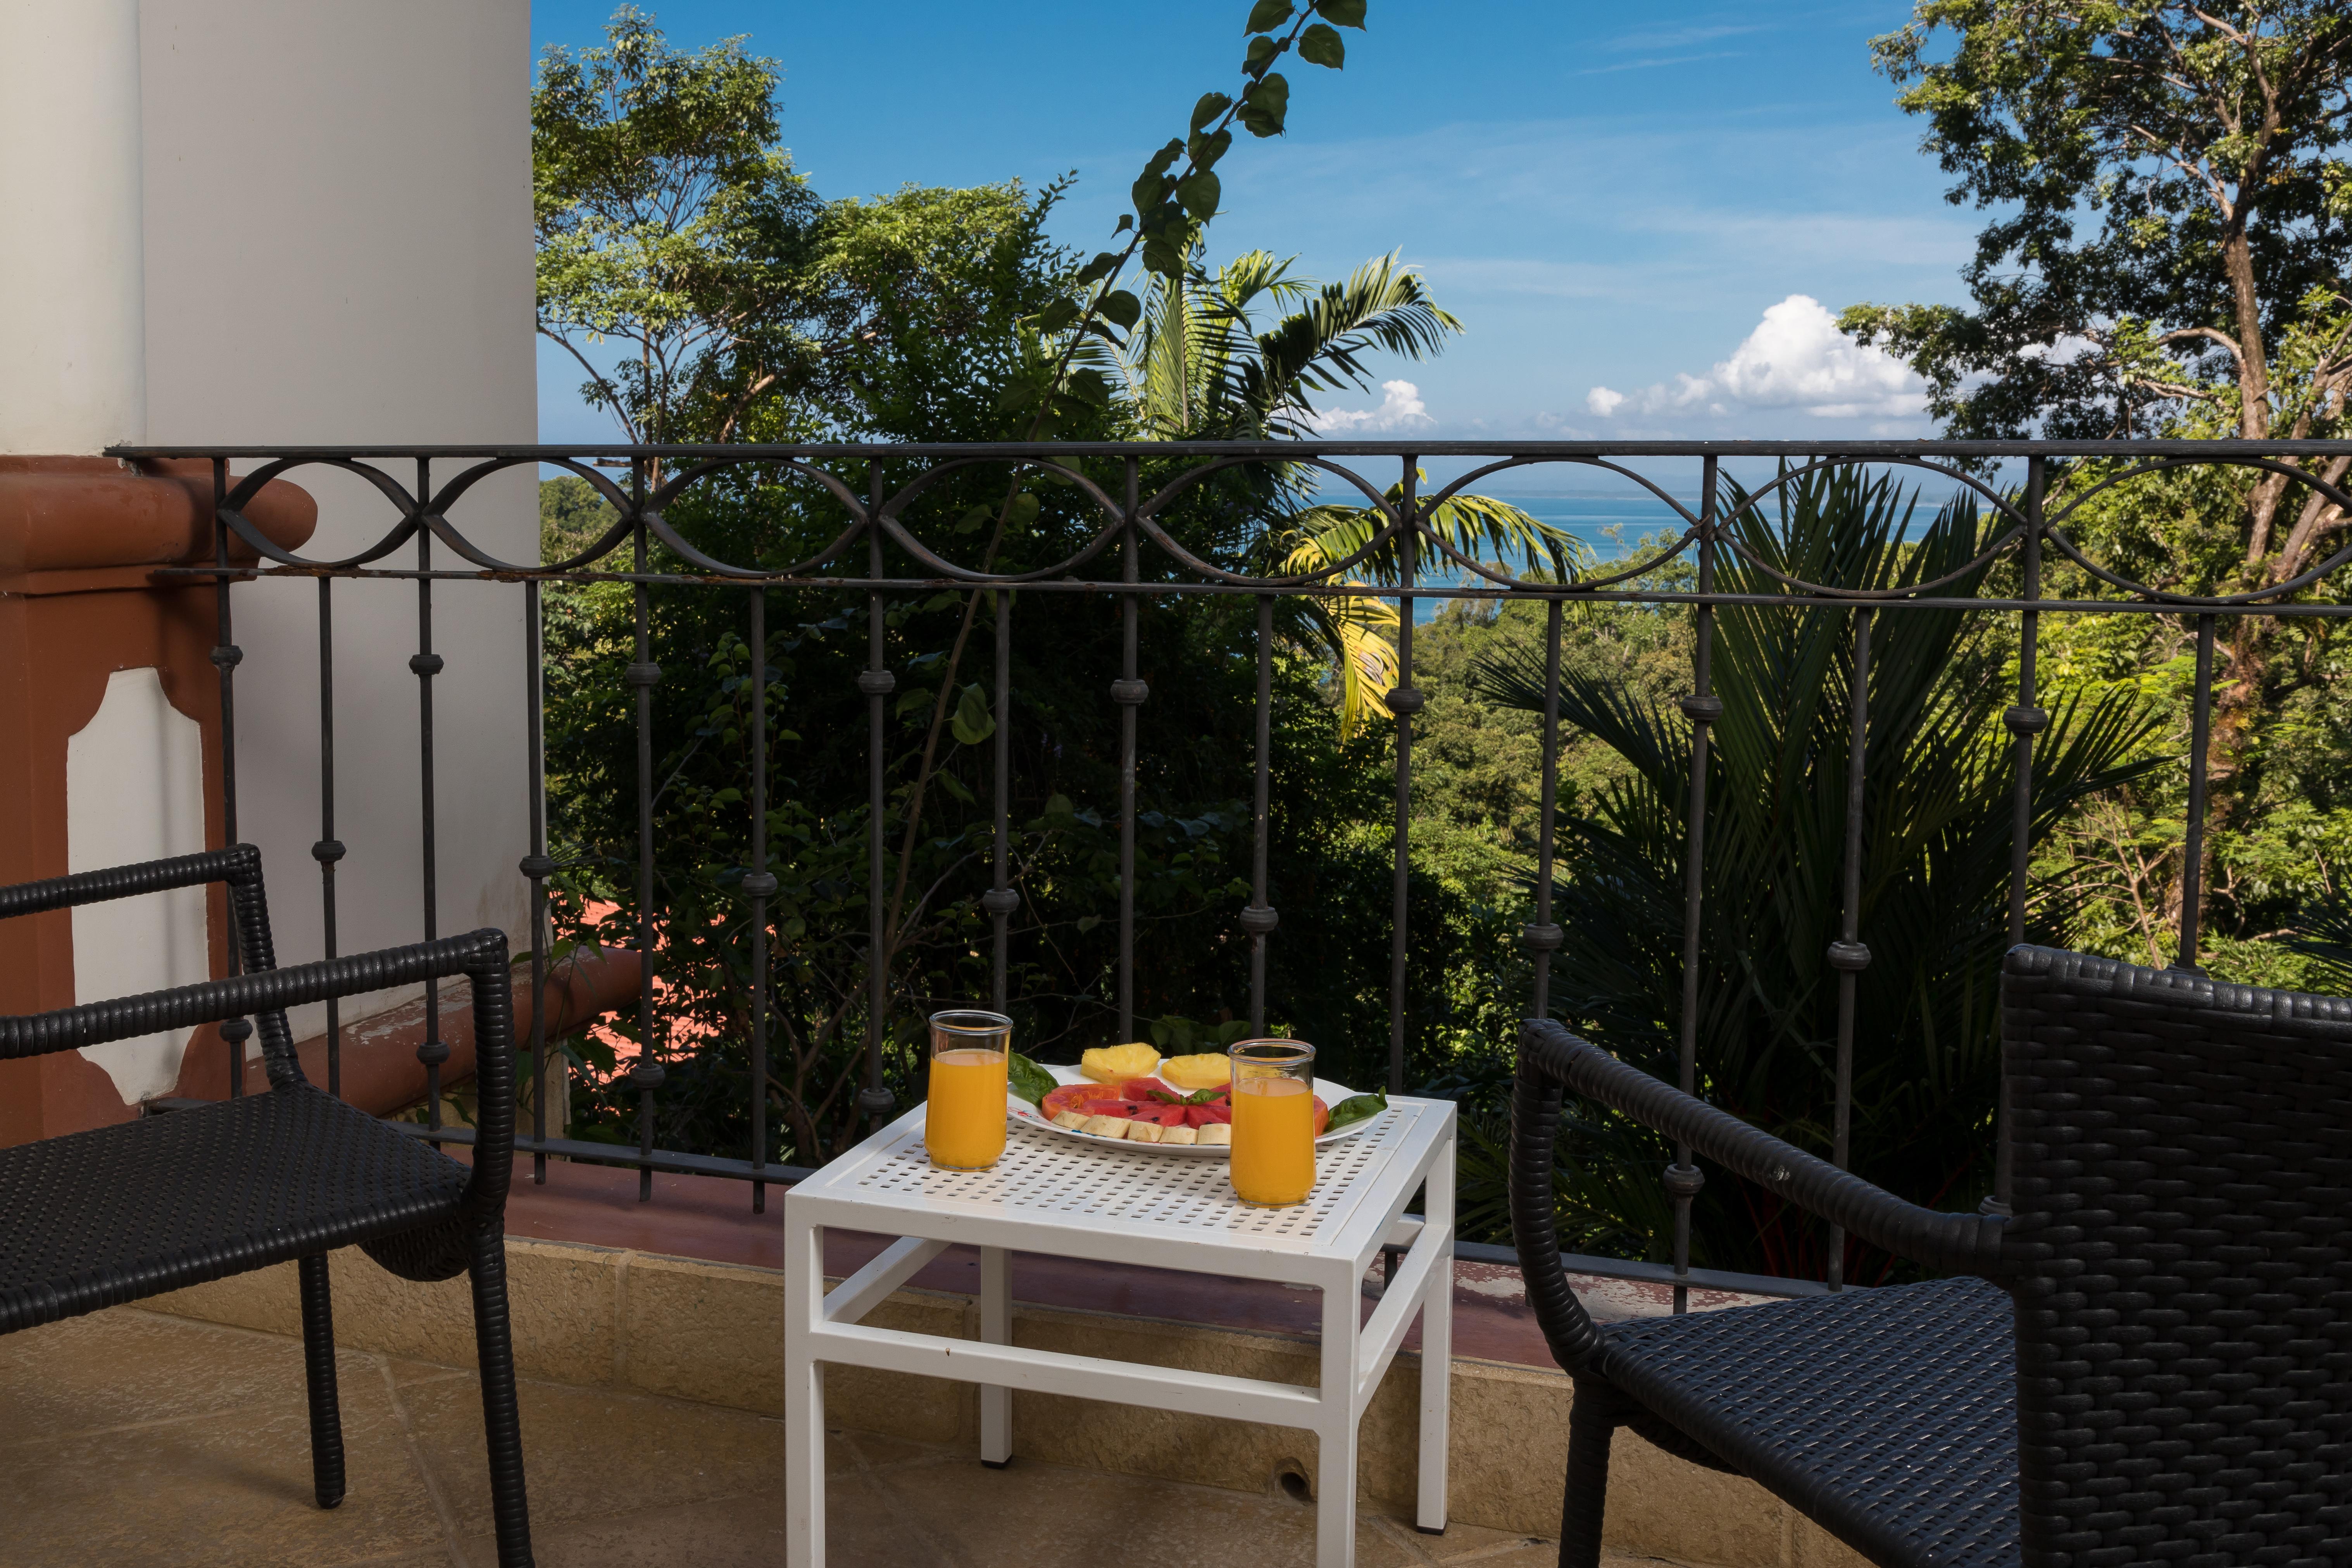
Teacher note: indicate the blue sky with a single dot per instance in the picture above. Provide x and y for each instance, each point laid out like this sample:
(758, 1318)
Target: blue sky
(1612, 198)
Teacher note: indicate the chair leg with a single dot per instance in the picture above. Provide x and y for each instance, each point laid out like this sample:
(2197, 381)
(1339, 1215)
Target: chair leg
(501, 1422)
(319, 1363)
(1592, 1421)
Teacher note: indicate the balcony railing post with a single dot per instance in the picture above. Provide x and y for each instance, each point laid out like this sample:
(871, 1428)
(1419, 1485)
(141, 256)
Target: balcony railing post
(2192, 848)
(227, 656)
(2024, 721)
(1403, 701)
(1258, 920)
(424, 666)
(1542, 938)
(1129, 691)
(1848, 955)
(329, 849)
(1000, 900)
(536, 867)
(647, 1073)
(873, 1100)
(1684, 1180)
(759, 886)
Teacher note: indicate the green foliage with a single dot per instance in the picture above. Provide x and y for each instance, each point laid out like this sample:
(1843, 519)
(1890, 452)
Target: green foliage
(2169, 187)
(669, 221)
(1936, 791)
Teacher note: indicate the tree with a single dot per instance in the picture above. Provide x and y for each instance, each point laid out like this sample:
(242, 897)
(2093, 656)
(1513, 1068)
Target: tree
(1937, 784)
(2170, 256)
(670, 221)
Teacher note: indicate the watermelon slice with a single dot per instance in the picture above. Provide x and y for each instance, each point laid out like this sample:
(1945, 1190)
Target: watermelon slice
(1078, 1097)
(1164, 1115)
(1203, 1115)
(1146, 1089)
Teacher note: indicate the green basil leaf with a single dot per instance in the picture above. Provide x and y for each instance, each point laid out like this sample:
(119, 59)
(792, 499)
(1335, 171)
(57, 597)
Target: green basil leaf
(1029, 1081)
(1207, 1096)
(1355, 1109)
(1319, 46)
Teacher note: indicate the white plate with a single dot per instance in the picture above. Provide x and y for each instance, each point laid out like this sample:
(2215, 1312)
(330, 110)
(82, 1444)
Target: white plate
(1028, 1115)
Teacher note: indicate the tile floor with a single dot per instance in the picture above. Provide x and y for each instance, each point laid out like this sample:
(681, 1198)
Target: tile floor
(132, 1437)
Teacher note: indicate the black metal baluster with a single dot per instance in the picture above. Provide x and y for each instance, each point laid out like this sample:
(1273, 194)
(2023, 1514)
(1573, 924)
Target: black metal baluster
(2193, 850)
(760, 886)
(424, 666)
(1403, 701)
(876, 681)
(329, 849)
(2024, 722)
(1000, 900)
(226, 656)
(1543, 937)
(1847, 955)
(1684, 1180)
(647, 1073)
(1129, 691)
(536, 865)
(1258, 918)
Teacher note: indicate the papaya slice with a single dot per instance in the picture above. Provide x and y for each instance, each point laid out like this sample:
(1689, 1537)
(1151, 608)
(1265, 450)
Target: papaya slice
(1077, 1097)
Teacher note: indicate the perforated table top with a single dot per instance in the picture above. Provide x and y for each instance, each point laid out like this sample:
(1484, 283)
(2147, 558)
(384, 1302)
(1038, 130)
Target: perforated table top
(1053, 1183)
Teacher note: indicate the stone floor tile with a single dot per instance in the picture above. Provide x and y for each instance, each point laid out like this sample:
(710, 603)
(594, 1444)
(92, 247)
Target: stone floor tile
(221, 1490)
(590, 1453)
(1035, 1516)
(864, 1531)
(1466, 1540)
(880, 1453)
(121, 1368)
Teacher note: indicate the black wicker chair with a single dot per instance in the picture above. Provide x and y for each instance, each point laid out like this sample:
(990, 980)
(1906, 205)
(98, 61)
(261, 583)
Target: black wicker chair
(93, 1219)
(2151, 1363)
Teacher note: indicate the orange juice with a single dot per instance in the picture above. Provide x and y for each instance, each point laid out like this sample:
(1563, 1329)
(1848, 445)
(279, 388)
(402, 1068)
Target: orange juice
(1273, 1139)
(963, 1126)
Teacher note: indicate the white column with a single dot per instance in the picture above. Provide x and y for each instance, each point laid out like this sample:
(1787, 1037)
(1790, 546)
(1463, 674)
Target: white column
(72, 296)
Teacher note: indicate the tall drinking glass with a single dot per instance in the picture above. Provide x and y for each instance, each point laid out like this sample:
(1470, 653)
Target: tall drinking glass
(1273, 1122)
(963, 1125)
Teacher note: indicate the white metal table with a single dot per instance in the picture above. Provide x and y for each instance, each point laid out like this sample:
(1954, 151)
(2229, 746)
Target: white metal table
(1065, 1198)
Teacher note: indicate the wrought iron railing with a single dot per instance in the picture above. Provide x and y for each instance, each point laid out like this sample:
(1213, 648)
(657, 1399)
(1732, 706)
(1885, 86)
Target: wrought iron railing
(873, 486)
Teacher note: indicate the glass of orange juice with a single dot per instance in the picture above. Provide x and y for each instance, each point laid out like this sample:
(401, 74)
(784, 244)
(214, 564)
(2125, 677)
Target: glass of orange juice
(1273, 1122)
(963, 1124)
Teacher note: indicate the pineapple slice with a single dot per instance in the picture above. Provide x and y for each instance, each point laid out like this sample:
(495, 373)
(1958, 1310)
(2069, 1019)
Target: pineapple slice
(1116, 1064)
(1209, 1070)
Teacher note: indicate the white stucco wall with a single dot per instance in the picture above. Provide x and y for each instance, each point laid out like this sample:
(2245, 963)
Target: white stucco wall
(70, 302)
(338, 249)
(135, 791)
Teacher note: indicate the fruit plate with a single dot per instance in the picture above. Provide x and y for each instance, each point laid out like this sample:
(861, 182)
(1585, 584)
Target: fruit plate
(1028, 1115)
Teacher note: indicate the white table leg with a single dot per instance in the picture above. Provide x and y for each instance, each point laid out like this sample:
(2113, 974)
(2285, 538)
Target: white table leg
(1436, 1349)
(995, 1329)
(804, 1395)
(1335, 1434)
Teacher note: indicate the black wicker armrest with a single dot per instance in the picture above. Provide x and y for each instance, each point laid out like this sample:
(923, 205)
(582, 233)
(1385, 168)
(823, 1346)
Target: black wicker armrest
(1962, 1243)
(480, 956)
(239, 866)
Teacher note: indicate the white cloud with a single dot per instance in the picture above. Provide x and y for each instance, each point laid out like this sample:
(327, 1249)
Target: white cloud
(1401, 409)
(1796, 358)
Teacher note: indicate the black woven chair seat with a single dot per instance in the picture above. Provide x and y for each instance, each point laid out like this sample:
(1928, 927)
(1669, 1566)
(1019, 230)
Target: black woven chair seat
(1889, 1415)
(96, 1218)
